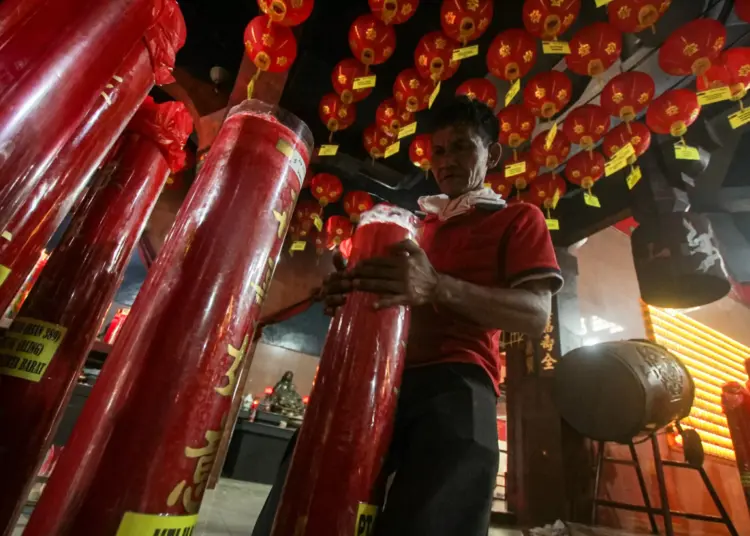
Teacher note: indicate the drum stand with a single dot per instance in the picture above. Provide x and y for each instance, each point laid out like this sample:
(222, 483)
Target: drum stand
(664, 509)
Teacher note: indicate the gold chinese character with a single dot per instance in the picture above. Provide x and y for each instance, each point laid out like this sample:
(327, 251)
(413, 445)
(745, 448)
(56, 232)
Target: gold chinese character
(535, 16)
(267, 40)
(237, 355)
(690, 49)
(665, 5)
(506, 126)
(192, 496)
(578, 128)
(672, 110)
(635, 140)
(528, 56)
(472, 5)
(483, 23)
(584, 49)
(281, 60)
(624, 12)
(548, 363)
(371, 34)
(644, 98)
(562, 95)
(548, 343)
(719, 44)
(540, 92)
(611, 48)
(450, 17)
(406, 9)
(617, 98)
(744, 70)
(413, 83)
(387, 51)
(440, 43)
(342, 79)
(614, 148)
(343, 113)
(525, 126)
(568, 20)
(283, 221)
(388, 112)
(504, 50)
(549, 328)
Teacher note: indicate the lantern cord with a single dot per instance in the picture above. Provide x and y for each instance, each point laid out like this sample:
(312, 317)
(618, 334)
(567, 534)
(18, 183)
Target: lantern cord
(627, 123)
(330, 137)
(653, 29)
(549, 216)
(367, 69)
(515, 155)
(251, 85)
(682, 140)
(426, 174)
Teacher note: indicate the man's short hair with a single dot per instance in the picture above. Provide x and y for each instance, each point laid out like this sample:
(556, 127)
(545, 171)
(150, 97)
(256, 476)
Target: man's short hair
(472, 112)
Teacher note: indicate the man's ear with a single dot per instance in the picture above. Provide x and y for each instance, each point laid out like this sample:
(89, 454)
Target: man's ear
(495, 152)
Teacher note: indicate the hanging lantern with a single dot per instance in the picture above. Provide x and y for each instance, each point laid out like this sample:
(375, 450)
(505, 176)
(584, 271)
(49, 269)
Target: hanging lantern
(693, 48)
(465, 20)
(287, 12)
(545, 189)
(357, 202)
(732, 71)
(304, 217)
(480, 89)
(636, 134)
(628, 94)
(420, 152)
(499, 184)
(411, 92)
(553, 156)
(320, 240)
(326, 188)
(634, 16)
(521, 180)
(594, 49)
(548, 19)
(372, 41)
(433, 57)
(511, 55)
(271, 47)
(546, 94)
(394, 11)
(516, 125)
(390, 118)
(742, 9)
(338, 229)
(343, 76)
(375, 142)
(586, 125)
(584, 169)
(335, 114)
(673, 112)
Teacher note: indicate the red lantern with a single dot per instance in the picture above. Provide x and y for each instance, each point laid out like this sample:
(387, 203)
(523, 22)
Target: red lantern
(480, 89)
(733, 71)
(628, 94)
(547, 94)
(357, 202)
(389, 118)
(673, 112)
(586, 125)
(338, 229)
(499, 184)
(516, 125)
(411, 92)
(465, 20)
(304, 217)
(693, 48)
(585, 168)
(287, 12)
(335, 114)
(326, 188)
(433, 57)
(634, 16)
(553, 156)
(636, 134)
(594, 49)
(545, 189)
(394, 11)
(375, 142)
(420, 152)
(320, 241)
(372, 41)
(522, 180)
(742, 8)
(548, 19)
(343, 77)
(512, 54)
(271, 47)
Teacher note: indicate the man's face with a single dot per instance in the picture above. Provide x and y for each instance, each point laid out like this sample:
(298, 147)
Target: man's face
(461, 159)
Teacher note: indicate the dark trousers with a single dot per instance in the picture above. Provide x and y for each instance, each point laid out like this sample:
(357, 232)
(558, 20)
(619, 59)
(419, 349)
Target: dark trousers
(444, 454)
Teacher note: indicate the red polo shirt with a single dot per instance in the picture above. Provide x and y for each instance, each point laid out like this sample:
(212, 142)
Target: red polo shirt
(502, 249)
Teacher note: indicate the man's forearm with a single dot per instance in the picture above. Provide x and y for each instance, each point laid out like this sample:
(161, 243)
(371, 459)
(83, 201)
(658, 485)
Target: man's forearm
(521, 310)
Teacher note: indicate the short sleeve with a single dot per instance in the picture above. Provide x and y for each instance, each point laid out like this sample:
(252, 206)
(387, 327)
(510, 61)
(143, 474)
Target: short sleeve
(527, 253)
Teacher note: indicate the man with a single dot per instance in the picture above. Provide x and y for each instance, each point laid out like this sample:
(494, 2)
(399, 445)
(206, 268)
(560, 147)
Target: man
(482, 266)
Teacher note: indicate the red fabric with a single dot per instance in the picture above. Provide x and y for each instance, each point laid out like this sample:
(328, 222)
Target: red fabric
(164, 39)
(168, 125)
(494, 249)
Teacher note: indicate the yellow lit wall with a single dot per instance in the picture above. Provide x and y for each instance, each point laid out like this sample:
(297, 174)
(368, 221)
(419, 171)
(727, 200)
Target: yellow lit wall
(712, 359)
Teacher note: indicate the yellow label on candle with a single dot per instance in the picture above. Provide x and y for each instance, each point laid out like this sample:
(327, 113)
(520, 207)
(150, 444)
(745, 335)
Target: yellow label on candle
(133, 524)
(434, 95)
(591, 200)
(466, 52)
(633, 177)
(512, 170)
(555, 47)
(408, 130)
(553, 225)
(738, 119)
(685, 152)
(711, 96)
(328, 150)
(317, 222)
(392, 149)
(4, 273)
(366, 514)
(28, 346)
(364, 82)
(7, 235)
(515, 87)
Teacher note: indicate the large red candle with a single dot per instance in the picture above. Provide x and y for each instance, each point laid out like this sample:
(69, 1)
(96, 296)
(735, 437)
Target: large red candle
(46, 346)
(330, 488)
(147, 437)
(52, 72)
(56, 192)
(735, 401)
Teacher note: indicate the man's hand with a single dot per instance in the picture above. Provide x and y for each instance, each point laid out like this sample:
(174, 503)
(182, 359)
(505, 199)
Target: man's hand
(336, 286)
(406, 277)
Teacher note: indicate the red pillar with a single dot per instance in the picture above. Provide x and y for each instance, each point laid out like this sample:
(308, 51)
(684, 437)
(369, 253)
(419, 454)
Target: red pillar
(330, 488)
(148, 435)
(52, 72)
(47, 344)
(735, 401)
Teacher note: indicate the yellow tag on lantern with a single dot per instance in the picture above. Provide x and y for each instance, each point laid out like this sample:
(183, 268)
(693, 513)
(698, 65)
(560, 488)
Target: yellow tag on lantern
(392, 149)
(591, 200)
(28, 346)
(515, 169)
(133, 524)
(465, 52)
(298, 246)
(550, 137)
(434, 95)
(738, 119)
(555, 47)
(488, 185)
(328, 150)
(556, 198)
(364, 82)
(515, 87)
(685, 152)
(7, 235)
(633, 177)
(4, 273)
(712, 96)
(408, 130)
(619, 160)
(553, 225)
(602, 3)
(366, 514)
(317, 222)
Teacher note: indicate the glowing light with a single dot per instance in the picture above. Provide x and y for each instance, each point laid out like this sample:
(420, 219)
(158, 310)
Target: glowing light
(268, 390)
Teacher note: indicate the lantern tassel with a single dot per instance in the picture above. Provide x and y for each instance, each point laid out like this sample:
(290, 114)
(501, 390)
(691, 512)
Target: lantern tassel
(515, 155)
(549, 216)
(330, 137)
(630, 129)
(251, 85)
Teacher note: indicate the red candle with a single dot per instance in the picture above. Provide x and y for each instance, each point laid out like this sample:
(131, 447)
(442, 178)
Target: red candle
(47, 344)
(143, 447)
(332, 486)
(53, 196)
(735, 402)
